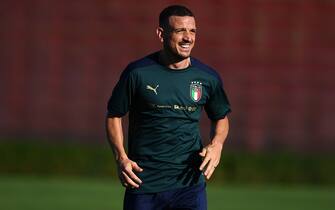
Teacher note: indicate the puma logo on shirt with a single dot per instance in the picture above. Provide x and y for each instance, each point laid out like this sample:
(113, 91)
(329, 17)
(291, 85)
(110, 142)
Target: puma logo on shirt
(153, 89)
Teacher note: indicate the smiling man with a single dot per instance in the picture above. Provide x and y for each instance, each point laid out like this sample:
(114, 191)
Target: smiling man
(166, 164)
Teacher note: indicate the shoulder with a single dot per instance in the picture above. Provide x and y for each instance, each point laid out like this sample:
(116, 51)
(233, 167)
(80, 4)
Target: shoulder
(211, 72)
(141, 63)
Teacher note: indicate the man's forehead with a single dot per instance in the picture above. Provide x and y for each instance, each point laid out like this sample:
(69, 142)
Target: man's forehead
(181, 21)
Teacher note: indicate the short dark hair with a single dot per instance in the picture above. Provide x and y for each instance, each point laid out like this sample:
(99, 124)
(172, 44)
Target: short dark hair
(173, 10)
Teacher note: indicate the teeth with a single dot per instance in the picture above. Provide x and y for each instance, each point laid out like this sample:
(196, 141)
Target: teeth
(185, 46)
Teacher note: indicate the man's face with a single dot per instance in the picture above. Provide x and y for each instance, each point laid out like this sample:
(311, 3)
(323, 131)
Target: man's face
(179, 37)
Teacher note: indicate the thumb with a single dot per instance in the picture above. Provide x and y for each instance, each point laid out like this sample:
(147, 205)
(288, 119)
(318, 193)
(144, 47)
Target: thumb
(203, 152)
(136, 167)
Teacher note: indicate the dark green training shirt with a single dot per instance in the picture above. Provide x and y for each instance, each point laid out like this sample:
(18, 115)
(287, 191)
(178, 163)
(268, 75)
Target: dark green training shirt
(164, 110)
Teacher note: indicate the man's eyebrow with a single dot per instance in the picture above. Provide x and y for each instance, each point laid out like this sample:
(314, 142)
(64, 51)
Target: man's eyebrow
(183, 28)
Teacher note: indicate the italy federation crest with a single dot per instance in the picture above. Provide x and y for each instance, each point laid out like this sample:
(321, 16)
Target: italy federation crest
(195, 91)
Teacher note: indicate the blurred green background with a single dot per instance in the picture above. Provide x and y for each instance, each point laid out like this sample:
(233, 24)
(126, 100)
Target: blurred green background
(38, 175)
(59, 61)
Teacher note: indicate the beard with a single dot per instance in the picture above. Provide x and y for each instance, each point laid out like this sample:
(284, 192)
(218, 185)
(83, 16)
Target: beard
(174, 54)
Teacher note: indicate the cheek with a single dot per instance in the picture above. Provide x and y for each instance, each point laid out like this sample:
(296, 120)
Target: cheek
(176, 39)
(174, 42)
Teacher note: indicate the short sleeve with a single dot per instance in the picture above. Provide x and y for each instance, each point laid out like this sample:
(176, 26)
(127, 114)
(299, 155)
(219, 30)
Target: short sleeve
(217, 106)
(120, 101)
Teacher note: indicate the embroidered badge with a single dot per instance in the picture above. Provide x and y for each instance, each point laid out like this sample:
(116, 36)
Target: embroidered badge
(196, 91)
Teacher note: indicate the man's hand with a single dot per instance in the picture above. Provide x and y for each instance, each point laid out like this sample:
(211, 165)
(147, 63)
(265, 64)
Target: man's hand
(211, 155)
(126, 175)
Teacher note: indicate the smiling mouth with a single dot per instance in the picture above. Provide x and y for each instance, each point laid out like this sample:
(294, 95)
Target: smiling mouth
(185, 46)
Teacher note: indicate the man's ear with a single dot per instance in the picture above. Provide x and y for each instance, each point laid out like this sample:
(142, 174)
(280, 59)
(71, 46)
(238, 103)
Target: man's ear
(160, 32)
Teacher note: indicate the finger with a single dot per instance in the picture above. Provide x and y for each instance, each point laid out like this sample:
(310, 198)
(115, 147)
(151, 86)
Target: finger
(133, 176)
(204, 163)
(211, 171)
(136, 167)
(203, 152)
(129, 181)
(121, 177)
(209, 167)
(124, 184)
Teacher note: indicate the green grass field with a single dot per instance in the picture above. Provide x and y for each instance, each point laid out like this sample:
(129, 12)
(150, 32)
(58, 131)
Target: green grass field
(35, 193)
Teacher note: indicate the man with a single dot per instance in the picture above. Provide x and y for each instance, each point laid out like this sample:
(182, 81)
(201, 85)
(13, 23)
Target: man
(166, 164)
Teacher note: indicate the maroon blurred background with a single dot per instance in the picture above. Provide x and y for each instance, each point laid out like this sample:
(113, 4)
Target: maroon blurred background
(59, 61)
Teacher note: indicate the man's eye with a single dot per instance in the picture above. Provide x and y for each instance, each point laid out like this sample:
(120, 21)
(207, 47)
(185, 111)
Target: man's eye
(183, 30)
(179, 30)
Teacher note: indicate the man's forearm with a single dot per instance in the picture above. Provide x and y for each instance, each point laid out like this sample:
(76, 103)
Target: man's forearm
(126, 167)
(211, 154)
(219, 131)
(115, 137)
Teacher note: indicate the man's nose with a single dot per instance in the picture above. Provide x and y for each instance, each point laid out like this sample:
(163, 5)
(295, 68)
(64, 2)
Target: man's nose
(187, 36)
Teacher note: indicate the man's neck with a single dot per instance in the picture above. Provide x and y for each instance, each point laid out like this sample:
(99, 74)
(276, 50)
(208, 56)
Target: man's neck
(173, 63)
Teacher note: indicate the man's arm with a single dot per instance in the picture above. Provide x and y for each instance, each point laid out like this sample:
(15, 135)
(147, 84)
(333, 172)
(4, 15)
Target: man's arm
(212, 152)
(125, 165)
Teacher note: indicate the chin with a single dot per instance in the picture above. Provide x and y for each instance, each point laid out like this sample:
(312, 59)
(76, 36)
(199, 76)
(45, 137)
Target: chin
(184, 55)
(179, 55)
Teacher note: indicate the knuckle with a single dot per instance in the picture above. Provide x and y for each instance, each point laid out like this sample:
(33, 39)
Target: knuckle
(128, 171)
